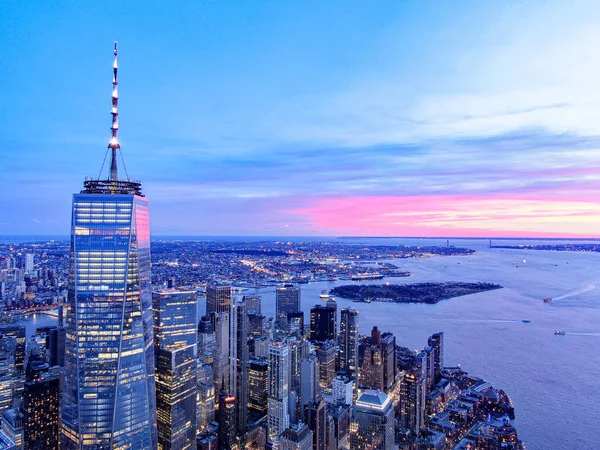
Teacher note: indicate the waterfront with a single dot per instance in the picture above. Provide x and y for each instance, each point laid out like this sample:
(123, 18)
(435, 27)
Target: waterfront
(552, 380)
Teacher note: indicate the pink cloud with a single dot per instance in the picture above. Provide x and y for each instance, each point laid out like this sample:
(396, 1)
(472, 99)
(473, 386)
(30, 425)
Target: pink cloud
(454, 215)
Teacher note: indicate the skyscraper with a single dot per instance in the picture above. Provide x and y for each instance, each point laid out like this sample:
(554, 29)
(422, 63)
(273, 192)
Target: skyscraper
(287, 299)
(218, 297)
(175, 337)
(109, 386)
(279, 376)
(372, 422)
(326, 355)
(258, 383)
(40, 407)
(323, 323)
(412, 403)
(241, 358)
(348, 341)
(436, 342)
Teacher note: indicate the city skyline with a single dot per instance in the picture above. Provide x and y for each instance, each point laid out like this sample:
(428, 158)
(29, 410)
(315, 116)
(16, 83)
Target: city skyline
(476, 119)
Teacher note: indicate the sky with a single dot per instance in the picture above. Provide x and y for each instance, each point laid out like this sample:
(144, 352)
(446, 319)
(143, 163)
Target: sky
(314, 118)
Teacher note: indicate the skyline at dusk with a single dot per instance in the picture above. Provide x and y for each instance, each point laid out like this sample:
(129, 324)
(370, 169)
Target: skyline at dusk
(476, 119)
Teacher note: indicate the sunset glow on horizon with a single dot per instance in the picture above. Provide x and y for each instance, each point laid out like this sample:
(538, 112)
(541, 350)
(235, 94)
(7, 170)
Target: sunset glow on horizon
(469, 119)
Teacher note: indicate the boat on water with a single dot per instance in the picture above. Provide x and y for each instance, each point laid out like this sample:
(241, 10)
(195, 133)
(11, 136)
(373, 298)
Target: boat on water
(547, 300)
(559, 333)
(526, 321)
(366, 276)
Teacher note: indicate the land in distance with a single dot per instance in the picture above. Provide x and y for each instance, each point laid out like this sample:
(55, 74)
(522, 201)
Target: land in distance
(410, 293)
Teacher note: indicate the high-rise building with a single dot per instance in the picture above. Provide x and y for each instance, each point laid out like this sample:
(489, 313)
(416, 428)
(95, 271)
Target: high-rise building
(309, 379)
(412, 402)
(218, 297)
(253, 304)
(29, 262)
(342, 390)
(109, 387)
(287, 299)
(8, 374)
(348, 341)
(323, 323)
(279, 381)
(258, 383)
(13, 426)
(297, 437)
(56, 346)
(40, 407)
(241, 357)
(207, 344)
(205, 398)
(436, 342)
(372, 422)
(315, 414)
(295, 323)
(18, 333)
(326, 355)
(227, 426)
(222, 363)
(388, 354)
(175, 340)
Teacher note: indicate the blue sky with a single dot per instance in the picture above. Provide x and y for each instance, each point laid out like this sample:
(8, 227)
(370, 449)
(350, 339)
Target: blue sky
(309, 118)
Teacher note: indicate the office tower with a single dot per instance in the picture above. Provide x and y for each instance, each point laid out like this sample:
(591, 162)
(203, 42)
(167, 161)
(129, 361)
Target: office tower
(436, 342)
(287, 299)
(29, 262)
(412, 402)
(207, 344)
(175, 341)
(13, 426)
(221, 365)
(175, 318)
(429, 369)
(109, 389)
(342, 390)
(227, 427)
(258, 383)
(371, 369)
(315, 414)
(279, 376)
(41, 407)
(8, 375)
(326, 355)
(309, 379)
(17, 332)
(295, 323)
(340, 416)
(261, 347)
(372, 422)
(218, 297)
(348, 341)
(56, 346)
(205, 397)
(253, 304)
(298, 437)
(256, 324)
(388, 356)
(323, 323)
(241, 357)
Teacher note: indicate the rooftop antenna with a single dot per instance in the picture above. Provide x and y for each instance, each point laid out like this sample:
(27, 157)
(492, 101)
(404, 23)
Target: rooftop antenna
(114, 145)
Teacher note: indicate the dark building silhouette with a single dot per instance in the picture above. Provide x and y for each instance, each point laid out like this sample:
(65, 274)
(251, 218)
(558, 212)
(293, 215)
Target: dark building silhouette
(323, 323)
(41, 396)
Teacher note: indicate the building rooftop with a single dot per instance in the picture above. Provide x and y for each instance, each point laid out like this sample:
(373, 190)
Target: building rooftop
(372, 398)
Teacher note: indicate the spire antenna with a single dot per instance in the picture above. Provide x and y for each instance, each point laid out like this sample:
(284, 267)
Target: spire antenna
(114, 145)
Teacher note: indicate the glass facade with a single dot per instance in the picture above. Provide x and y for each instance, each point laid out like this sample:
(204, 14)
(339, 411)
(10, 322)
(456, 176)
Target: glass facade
(175, 339)
(109, 387)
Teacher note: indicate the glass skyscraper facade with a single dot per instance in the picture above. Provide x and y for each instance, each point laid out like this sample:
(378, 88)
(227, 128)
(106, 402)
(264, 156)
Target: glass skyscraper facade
(109, 386)
(109, 399)
(175, 339)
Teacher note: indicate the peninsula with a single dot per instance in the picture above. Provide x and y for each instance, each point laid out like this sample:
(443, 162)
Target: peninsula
(410, 293)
